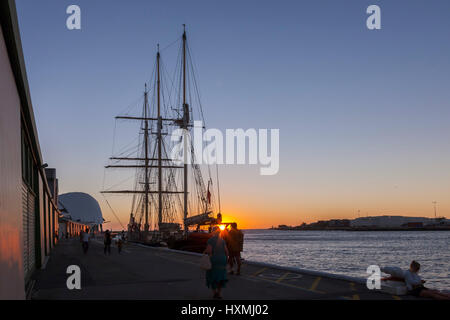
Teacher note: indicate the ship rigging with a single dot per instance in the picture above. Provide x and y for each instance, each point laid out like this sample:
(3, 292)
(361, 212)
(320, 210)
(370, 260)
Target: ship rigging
(167, 198)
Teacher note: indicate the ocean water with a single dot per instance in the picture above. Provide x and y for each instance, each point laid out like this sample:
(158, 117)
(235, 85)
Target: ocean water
(350, 253)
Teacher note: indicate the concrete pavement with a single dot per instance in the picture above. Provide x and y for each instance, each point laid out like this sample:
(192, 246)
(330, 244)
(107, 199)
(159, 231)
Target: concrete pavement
(157, 273)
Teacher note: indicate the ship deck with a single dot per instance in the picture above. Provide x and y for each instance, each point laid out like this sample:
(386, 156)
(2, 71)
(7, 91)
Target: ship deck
(142, 272)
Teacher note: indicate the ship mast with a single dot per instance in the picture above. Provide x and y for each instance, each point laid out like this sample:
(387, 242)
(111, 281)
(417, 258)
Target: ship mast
(143, 160)
(185, 124)
(146, 158)
(159, 143)
(146, 188)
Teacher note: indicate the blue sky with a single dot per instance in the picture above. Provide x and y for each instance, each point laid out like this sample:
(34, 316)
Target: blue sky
(363, 115)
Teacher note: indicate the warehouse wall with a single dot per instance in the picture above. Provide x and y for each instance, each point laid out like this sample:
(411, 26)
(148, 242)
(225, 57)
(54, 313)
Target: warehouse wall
(28, 212)
(11, 257)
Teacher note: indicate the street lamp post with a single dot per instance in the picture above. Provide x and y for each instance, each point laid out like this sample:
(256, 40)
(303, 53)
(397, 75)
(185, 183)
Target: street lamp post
(434, 202)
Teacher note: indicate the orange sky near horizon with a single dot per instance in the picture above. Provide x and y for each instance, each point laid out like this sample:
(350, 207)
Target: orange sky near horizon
(295, 196)
(292, 197)
(252, 211)
(263, 219)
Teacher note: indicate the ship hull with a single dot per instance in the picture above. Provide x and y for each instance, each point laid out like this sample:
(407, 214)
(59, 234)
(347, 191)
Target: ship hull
(195, 242)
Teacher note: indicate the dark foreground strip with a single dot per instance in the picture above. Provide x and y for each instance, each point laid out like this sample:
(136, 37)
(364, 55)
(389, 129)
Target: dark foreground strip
(231, 309)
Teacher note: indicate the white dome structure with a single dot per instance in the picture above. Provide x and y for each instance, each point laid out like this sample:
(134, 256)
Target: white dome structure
(80, 207)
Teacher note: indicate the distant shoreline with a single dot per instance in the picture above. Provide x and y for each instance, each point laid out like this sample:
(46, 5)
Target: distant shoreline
(441, 228)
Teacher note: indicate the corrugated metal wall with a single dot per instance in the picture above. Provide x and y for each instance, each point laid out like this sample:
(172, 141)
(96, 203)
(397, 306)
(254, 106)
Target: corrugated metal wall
(27, 216)
(11, 259)
(29, 226)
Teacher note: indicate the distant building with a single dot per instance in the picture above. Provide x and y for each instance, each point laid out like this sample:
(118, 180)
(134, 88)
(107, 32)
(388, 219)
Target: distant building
(339, 223)
(52, 181)
(81, 208)
(396, 221)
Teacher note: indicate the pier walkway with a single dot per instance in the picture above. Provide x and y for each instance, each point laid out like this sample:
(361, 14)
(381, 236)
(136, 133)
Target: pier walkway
(157, 273)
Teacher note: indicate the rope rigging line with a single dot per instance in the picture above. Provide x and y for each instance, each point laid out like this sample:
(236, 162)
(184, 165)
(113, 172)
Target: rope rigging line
(171, 44)
(107, 202)
(132, 105)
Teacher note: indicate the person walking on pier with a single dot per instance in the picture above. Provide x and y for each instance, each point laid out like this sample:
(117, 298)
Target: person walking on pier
(107, 242)
(235, 243)
(120, 240)
(216, 277)
(84, 235)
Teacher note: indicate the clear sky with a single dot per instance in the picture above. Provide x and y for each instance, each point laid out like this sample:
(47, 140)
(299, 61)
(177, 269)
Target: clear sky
(363, 115)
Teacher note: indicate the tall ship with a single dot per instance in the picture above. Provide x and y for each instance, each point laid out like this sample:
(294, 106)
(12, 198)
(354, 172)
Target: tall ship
(174, 199)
